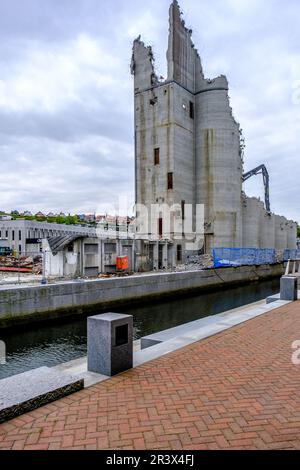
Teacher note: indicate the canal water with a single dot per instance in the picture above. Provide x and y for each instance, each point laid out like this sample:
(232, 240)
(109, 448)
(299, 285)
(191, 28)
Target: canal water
(50, 344)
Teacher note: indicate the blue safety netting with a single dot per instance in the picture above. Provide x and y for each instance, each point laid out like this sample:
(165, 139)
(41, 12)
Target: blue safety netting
(228, 257)
(291, 254)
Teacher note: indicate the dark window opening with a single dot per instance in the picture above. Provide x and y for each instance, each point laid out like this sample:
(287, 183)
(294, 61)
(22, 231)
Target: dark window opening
(183, 210)
(160, 227)
(160, 257)
(20, 235)
(13, 234)
(192, 111)
(156, 156)
(170, 180)
(179, 253)
(121, 335)
(153, 101)
(183, 215)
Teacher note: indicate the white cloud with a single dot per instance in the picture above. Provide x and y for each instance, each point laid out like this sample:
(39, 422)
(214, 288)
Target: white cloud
(52, 76)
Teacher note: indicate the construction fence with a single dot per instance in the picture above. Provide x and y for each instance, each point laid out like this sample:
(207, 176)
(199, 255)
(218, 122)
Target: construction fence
(291, 255)
(231, 257)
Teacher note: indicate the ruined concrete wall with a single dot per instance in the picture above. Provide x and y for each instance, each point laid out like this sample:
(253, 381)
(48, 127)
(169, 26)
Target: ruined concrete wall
(252, 215)
(163, 121)
(267, 230)
(189, 119)
(280, 233)
(285, 233)
(292, 235)
(184, 146)
(142, 66)
(218, 166)
(184, 64)
(264, 230)
(152, 131)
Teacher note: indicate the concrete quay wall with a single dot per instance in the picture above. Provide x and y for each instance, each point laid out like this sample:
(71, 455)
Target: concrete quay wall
(36, 303)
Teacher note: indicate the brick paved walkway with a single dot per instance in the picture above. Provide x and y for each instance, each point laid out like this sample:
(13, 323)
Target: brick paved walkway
(238, 390)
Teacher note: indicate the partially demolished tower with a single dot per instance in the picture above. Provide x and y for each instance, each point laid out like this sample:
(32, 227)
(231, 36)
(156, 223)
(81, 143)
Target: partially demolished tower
(189, 148)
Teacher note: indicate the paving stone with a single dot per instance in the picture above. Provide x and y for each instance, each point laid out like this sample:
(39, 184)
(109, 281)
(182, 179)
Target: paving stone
(25, 392)
(236, 390)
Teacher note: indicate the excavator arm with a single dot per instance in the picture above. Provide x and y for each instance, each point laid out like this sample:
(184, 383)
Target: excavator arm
(257, 171)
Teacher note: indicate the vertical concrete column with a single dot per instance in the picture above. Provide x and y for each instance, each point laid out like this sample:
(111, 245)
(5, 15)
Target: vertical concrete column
(155, 255)
(174, 256)
(165, 256)
(289, 288)
(110, 343)
(118, 246)
(102, 256)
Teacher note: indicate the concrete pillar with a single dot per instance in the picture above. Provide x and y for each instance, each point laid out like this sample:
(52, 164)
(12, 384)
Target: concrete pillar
(155, 255)
(289, 288)
(171, 257)
(102, 256)
(110, 343)
(165, 256)
(118, 247)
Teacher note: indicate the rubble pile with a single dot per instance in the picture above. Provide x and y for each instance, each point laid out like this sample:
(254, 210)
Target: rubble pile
(32, 264)
(197, 263)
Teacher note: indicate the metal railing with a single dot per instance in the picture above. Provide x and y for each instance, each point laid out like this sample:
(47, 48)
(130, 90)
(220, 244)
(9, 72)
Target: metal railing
(293, 268)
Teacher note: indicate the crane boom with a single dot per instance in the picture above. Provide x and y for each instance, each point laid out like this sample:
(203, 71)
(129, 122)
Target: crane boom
(257, 171)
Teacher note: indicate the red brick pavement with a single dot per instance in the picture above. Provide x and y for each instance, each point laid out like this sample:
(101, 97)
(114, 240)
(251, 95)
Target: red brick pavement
(236, 390)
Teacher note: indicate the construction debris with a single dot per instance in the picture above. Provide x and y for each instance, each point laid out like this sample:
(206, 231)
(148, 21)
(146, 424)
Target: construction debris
(196, 263)
(25, 264)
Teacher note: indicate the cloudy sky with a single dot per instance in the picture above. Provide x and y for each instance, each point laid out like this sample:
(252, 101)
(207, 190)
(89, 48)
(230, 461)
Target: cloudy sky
(66, 103)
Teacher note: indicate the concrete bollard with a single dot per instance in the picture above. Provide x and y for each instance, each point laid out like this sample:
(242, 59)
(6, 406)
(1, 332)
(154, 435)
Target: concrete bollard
(288, 288)
(110, 343)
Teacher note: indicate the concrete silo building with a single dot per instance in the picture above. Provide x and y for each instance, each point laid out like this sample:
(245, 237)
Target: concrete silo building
(189, 150)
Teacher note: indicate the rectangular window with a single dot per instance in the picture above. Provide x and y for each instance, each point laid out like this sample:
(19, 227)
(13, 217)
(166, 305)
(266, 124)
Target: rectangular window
(156, 156)
(192, 112)
(183, 216)
(13, 234)
(6, 234)
(179, 253)
(160, 227)
(20, 235)
(170, 180)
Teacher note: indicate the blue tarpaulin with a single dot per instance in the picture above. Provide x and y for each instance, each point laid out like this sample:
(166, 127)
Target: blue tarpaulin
(229, 257)
(291, 254)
